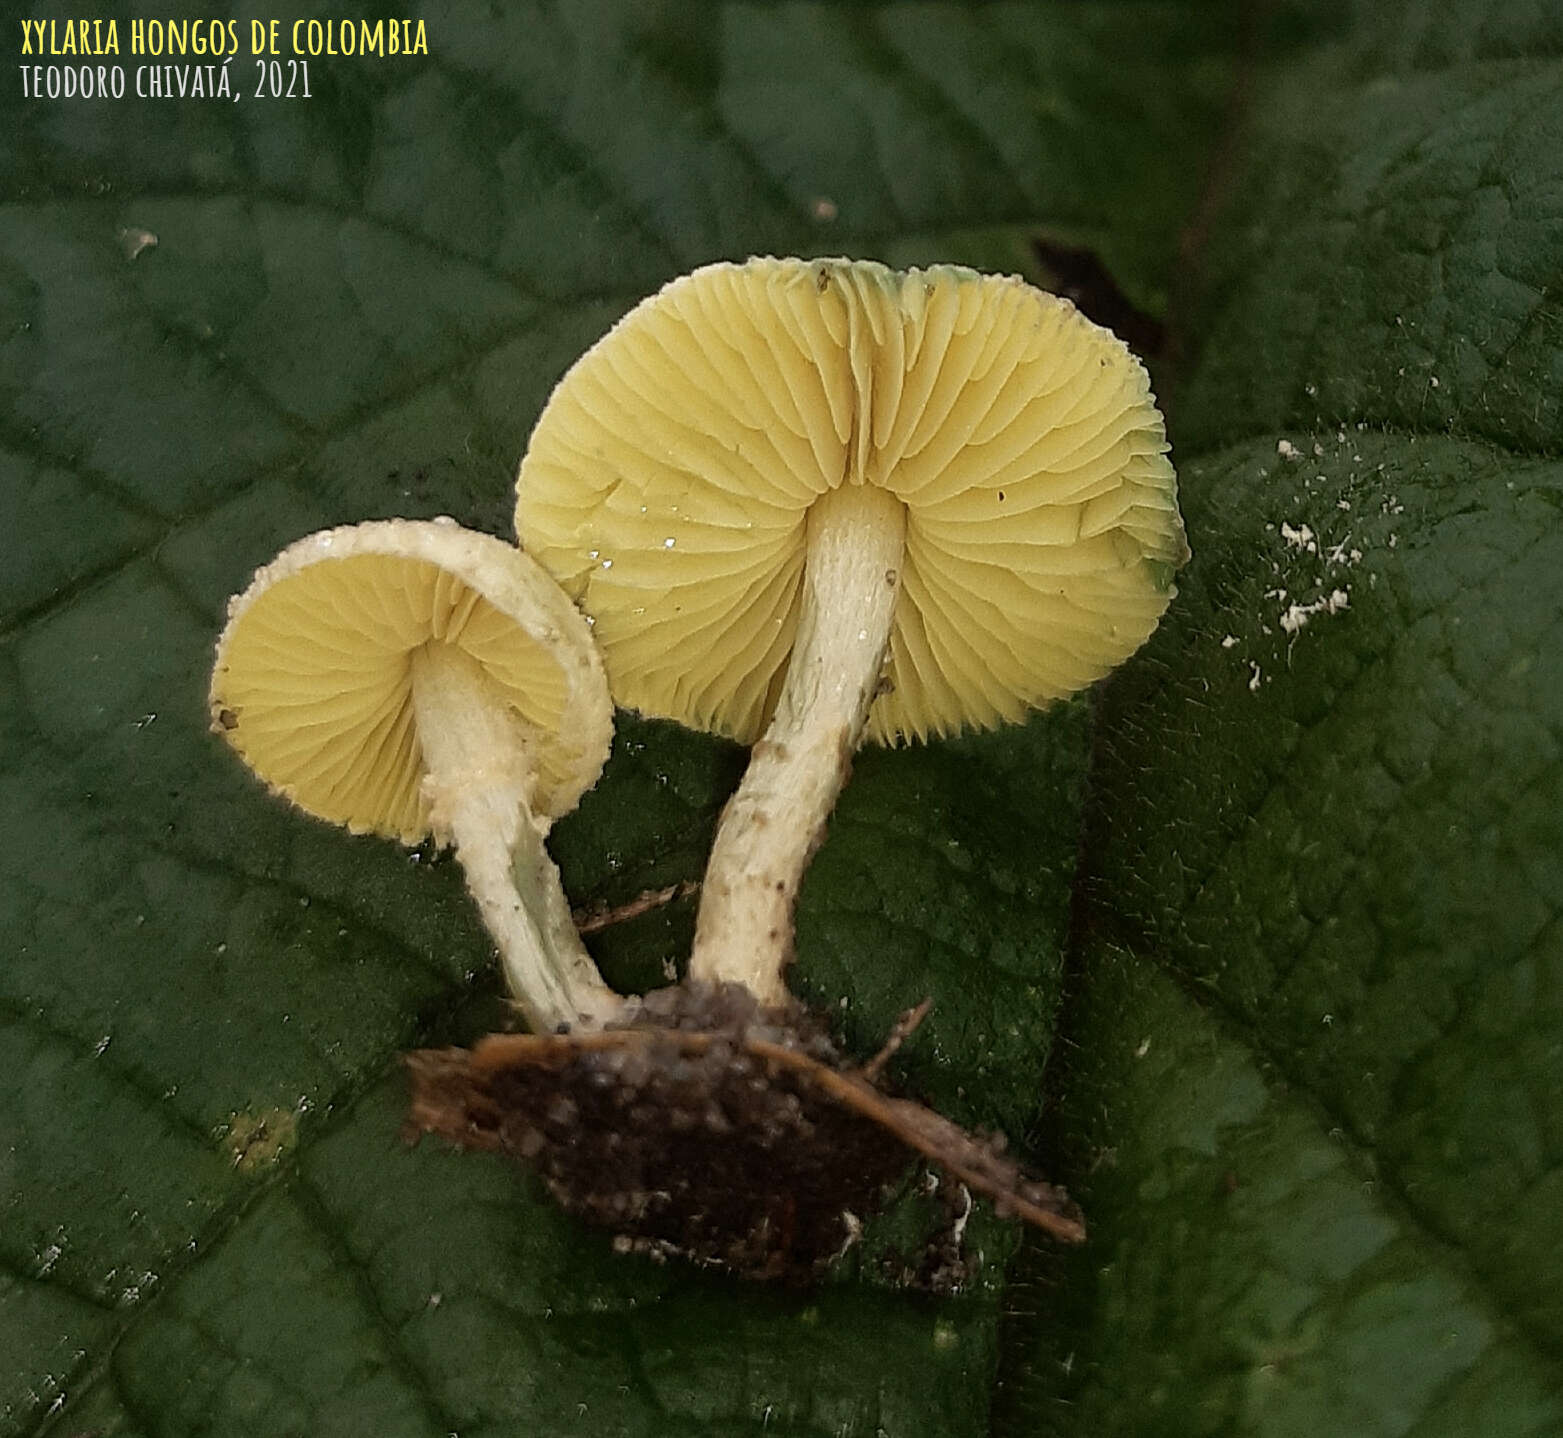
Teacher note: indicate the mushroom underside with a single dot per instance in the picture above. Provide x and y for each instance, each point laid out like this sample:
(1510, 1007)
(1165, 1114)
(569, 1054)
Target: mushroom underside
(668, 479)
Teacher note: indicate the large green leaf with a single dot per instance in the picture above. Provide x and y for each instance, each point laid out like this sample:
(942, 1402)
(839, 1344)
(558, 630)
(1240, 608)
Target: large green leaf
(355, 306)
(1317, 1013)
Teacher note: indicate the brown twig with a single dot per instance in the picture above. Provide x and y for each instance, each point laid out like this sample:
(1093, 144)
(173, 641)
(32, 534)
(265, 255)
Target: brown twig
(589, 921)
(905, 1027)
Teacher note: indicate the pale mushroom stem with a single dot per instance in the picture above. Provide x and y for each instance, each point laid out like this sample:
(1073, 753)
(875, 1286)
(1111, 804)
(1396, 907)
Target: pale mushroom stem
(479, 781)
(776, 819)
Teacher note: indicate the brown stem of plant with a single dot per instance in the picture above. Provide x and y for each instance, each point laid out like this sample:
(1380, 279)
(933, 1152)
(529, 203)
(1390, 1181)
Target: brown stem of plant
(905, 1027)
(590, 921)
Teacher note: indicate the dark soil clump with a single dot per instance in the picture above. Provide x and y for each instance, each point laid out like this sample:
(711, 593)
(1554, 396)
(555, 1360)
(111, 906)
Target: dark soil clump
(709, 1128)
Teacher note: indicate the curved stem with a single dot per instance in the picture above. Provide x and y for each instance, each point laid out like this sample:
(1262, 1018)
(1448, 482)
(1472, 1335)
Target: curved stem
(776, 819)
(479, 782)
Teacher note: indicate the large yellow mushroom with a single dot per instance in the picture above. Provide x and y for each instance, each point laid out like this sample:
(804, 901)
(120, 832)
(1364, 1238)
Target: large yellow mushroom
(412, 678)
(808, 500)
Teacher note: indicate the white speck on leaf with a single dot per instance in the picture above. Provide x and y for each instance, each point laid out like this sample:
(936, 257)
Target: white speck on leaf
(1338, 555)
(1300, 538)
(957, 1229)
(133, 239)
(1297, 615)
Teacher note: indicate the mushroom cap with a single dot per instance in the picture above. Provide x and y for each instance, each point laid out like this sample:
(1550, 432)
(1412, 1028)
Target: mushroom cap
(312, 684)
(669, 477)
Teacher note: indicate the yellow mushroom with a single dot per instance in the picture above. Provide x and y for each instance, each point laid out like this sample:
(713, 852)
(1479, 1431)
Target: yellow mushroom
(412, 678)
(824, 498)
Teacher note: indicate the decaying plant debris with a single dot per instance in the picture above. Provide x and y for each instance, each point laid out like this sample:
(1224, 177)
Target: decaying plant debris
(714, 1129)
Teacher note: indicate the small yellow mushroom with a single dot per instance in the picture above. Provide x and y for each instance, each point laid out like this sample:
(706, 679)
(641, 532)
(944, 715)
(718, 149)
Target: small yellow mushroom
(412, 678)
